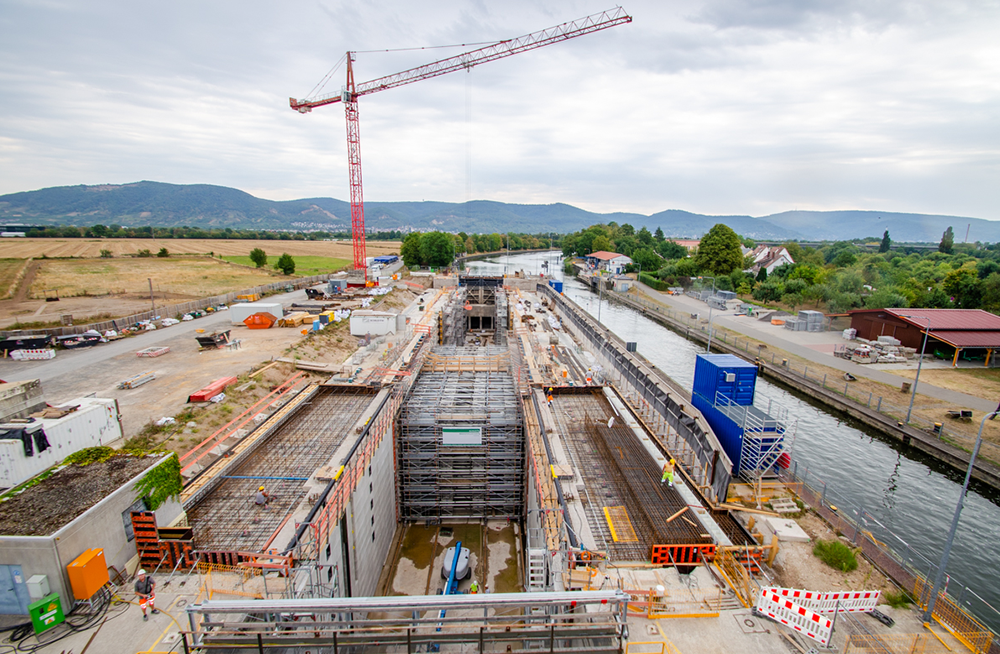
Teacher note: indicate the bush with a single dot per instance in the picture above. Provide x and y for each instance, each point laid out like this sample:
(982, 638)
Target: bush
(106, 254)
(163, 254)
(144, 254)
(836, 555)
(653, 282)
(897, 600)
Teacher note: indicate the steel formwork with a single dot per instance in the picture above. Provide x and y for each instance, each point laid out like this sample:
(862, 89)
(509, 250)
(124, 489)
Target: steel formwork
(481, 471)
(226, 519)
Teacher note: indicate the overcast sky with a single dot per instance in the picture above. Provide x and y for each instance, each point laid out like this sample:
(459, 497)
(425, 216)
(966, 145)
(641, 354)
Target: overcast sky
(719, 107)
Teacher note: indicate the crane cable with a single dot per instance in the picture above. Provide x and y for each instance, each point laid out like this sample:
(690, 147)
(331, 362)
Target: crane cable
(326, 78)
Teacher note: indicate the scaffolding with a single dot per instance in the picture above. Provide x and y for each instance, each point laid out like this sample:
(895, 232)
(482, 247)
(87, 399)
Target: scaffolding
(226, 520)
(461, 446)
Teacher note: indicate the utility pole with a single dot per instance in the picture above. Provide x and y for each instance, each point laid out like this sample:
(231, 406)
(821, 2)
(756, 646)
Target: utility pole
(151, 300)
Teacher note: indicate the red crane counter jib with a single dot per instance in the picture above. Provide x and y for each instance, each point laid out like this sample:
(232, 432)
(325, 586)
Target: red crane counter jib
(349, 96)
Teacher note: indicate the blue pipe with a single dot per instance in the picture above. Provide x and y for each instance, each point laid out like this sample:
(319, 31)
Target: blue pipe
(270, 478)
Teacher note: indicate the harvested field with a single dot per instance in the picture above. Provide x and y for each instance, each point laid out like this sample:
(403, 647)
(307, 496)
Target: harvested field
(22, 248)
(8, 273)
(181, 278)
(56, 501)
(305, 266)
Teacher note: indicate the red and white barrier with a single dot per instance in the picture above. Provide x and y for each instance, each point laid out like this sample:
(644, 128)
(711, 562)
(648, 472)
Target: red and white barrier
(859, 601)
(32, 355)
(789, 613)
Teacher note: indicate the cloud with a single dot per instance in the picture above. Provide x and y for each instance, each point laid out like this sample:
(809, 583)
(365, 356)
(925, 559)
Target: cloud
(723, 106)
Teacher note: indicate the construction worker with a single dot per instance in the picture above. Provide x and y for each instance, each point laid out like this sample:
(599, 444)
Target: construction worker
(145, 590)
(549, 397)
(262, 498)
(474, 588)
(668, 472)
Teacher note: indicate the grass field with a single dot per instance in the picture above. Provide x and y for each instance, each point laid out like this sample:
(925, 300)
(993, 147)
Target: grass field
(305, 266)
(22, 248)
(182, 277)
(8, 271)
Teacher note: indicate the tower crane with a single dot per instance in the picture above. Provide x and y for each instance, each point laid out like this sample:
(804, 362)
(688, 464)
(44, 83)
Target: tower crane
(465, 61)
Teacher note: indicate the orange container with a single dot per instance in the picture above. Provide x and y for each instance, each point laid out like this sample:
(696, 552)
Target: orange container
(261, 320)
(87, 573)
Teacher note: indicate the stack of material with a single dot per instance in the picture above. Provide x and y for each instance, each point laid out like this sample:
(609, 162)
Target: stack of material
(815, 320)
(295, 319)
(796, 324)
(850, 334)
(888, 340)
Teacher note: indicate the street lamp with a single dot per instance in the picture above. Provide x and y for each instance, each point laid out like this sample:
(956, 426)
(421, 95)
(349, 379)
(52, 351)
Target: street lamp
(939, 577)
(920, 362)
(709, 350)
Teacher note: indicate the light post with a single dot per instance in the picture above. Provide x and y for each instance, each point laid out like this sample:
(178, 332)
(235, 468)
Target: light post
(939, 577)
(920, 362)
(709, 350)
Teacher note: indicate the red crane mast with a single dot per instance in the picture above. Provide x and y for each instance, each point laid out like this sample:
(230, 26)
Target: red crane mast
(349, 96)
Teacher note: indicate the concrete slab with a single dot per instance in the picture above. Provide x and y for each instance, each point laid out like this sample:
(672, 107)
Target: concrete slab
(786, 530)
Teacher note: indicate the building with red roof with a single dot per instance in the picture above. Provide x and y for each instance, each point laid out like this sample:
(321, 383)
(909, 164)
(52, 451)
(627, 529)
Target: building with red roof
(969, 333)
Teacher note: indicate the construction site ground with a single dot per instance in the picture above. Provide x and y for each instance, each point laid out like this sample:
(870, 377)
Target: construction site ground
(934, 399)
(495, 544)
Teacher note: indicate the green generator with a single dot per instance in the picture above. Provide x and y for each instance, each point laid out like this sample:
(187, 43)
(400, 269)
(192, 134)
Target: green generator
(46, 613)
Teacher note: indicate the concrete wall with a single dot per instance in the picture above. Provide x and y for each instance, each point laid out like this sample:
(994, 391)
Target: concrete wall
(100, 526)
(372, 520)
(94, 423)
(18, 399)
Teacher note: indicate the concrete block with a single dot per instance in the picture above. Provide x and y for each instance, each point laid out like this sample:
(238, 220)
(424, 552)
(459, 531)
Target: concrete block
(788, 531)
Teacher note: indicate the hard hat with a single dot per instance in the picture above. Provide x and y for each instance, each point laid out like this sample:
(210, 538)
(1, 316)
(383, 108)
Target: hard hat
(672, 461)
(261, 488)
(140, 572)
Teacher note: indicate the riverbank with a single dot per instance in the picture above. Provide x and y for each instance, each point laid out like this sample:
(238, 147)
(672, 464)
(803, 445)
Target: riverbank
(947, 453)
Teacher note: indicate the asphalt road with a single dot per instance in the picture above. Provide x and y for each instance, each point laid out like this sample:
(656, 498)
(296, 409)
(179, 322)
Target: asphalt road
(78, 362)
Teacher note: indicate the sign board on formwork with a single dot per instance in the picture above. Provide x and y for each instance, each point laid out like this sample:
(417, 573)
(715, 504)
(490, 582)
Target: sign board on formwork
(852, 601)
(461, 435)
(803, 620)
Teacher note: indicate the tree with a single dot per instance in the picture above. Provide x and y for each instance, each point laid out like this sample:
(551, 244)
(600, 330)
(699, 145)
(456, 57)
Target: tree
(647, 260)
(437, 249)
(886, 242)
(719, 251)
(964, 288)
(258, 257)
(658, 234)
(762, 274)
(671, 249)
(286, 264)
(163, 254)
(947, 243)
(410, 250)
(106, 254)
(602, 244)
(645, 237)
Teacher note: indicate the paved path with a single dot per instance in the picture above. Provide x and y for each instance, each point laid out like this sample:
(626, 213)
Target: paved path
(744, 325)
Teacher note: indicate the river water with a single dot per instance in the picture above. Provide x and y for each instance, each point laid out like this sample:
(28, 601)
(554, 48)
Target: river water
(911, 498)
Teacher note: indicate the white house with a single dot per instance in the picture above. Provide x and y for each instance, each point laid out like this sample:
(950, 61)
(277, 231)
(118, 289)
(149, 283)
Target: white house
(767, 257)
(611, 262)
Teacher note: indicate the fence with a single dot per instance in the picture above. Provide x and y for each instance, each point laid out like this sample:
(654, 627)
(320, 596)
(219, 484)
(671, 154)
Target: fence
(171, 310)
(989, 451)
(909, 569)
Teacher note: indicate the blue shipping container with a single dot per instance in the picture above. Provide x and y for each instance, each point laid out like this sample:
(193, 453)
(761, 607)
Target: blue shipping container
(725, 374)
(729, 433)
(556, 286)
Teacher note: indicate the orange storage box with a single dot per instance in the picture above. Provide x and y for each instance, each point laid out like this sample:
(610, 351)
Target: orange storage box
(88, 573)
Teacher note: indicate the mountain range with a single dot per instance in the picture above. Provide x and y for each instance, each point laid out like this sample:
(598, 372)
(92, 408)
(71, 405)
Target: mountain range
(207, 206)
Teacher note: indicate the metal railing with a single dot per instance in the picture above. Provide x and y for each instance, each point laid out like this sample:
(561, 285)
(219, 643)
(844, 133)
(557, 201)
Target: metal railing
(879, 403)
(962, 609)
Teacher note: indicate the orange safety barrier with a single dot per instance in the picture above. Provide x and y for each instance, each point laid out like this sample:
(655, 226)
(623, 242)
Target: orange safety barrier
(214, 439)
(682, 554)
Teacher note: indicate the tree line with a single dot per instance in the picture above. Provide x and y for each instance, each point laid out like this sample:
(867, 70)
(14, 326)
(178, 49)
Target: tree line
(118, 231)
(836, 277)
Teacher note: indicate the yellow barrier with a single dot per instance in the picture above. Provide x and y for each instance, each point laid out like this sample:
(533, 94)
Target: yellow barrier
(964, 627)
(895, 644)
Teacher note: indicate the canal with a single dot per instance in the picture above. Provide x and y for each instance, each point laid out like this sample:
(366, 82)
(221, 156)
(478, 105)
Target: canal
(909, 499)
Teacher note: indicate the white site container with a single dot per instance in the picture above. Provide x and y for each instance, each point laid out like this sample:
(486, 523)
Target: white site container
(376, 323)
(240, 312)
(95, 423)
